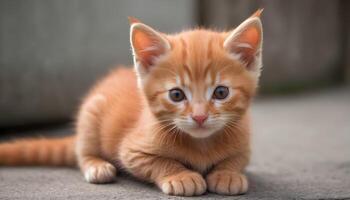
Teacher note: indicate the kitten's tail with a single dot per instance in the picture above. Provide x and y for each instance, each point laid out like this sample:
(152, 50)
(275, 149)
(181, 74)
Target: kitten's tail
(42, 151)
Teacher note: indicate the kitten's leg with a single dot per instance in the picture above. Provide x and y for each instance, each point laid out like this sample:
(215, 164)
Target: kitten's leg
(95, 169)
(169, 175)
(227, 178)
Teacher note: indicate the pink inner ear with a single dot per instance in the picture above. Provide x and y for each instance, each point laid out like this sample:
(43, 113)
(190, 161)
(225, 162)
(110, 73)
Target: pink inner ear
(246, 44)
(251, 36)
(147, 47)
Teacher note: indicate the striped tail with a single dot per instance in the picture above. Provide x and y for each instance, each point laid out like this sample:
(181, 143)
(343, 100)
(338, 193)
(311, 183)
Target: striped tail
(42, 151)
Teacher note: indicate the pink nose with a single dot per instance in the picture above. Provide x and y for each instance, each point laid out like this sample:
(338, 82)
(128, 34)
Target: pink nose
(200, 119)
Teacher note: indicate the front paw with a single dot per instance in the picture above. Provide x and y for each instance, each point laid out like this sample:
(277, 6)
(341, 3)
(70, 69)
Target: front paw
(186, 183)
(100, 172)
(227, 182)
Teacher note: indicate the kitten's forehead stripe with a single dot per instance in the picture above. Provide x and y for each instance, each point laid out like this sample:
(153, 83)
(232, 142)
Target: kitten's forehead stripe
(184, 49)
(187, 79)
(207, 69)
(209, 49)
(198, 55)
(188, 72)
(197, 72)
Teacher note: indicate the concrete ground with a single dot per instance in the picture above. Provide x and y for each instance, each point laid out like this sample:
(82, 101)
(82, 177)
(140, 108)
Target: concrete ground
(301, 150)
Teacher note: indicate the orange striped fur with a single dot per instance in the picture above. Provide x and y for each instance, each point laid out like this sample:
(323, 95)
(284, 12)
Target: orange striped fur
(54, 152)
(131, 121)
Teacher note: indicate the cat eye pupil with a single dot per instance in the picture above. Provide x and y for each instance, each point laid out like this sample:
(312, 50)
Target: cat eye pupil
(221, 92)
(176, 95)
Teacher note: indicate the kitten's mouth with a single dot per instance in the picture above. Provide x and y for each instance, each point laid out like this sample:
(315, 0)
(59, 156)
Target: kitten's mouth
(201, 127)
(202, 131)
(196, 130)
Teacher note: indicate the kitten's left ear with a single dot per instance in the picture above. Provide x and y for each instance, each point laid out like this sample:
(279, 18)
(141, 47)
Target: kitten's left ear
(245, 43)
(147, 45)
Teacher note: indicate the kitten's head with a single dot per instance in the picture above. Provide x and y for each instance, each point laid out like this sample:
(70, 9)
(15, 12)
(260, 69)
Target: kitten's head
(198, 81)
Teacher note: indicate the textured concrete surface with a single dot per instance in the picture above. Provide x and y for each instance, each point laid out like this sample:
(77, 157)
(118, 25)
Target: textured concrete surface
(301, 150)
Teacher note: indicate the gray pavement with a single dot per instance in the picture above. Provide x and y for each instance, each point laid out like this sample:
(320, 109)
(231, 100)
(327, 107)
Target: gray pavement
(301, 150)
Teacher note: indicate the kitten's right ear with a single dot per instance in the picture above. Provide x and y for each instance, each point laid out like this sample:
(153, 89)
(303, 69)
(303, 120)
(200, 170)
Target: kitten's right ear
(245, 42)
(147, 45)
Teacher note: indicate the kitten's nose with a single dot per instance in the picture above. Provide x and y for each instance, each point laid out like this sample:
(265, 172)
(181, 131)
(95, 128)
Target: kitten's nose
(200, 119)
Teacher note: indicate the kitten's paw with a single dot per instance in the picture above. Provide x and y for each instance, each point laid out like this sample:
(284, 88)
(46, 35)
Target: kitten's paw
(184, 184)
(227, 183)
(100, 173)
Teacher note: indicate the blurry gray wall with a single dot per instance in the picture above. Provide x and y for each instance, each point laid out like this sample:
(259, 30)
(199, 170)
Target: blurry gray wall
(346, 34)
(51, 51)
(303, 40)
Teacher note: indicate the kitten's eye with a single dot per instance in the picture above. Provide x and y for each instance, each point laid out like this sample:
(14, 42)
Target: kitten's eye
(176, 95)
(221, 92)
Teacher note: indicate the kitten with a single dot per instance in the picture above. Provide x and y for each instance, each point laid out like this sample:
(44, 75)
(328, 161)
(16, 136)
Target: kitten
(181, 121)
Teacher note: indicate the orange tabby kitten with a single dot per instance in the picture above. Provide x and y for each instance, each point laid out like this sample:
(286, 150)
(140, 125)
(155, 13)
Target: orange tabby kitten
(181, 121)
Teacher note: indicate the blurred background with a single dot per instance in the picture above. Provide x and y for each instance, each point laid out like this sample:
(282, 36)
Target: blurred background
(51, 52)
